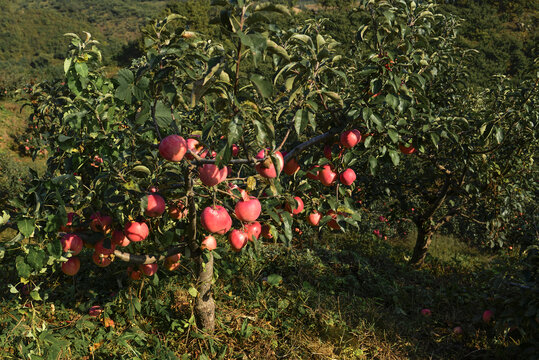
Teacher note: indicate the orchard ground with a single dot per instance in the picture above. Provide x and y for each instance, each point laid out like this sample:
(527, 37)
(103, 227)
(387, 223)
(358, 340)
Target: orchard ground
(347, 297)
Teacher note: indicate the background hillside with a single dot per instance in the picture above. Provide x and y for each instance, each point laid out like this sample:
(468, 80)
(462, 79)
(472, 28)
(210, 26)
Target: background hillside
(32, 45)
(31, 32)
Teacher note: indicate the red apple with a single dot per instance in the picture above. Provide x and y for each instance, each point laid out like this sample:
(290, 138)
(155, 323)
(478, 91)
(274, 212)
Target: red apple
(487, 316)
(347, 177)
(266, 232)
(101, 260)
(211, 175)
(72, 242)
(327, 175)
(148, 269)
(119, 238)
(156, 205)
(178, 211)
(216, 220)
(253, 230)
(426, 312)
(194, 147)
(95, 311)
(313, 172)
(136, 231)
(248, 210)
(407, 150)
(457, 330)
(291, 167)
(100, 223)
(71, 266)
(267, 168)
(333, 222)
(68, 227)
(209, 243)
(101, 249)
(297, 208)
(235, 150)
(173, 148)
(328, 152)
(134, 274)
(314, 218)
(350, 138)
(237, 239)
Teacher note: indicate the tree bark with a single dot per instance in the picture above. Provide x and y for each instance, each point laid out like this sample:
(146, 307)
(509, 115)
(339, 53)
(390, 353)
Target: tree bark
(423, 240)
(204, 303)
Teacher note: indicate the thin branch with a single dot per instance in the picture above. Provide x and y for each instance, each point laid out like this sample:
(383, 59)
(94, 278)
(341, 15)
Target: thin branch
(315, 140)
(146, 258)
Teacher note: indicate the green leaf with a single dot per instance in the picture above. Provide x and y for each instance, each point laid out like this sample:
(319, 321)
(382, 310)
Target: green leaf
(82, 69)
(264, 87)
(23, 269)
(67, 64)
(301, 120)
(394, 135)
(26, 227)
(4, 218)
(499, 135)
(392, 101)
(136, 303)
(142, 169)
(163, 116)
(36, 258)
(394, 155)
(193, 292)
(274, 279)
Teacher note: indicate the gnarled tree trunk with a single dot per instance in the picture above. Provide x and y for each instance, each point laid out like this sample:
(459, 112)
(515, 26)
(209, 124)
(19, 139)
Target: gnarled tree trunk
(204, 303)
(423, 240)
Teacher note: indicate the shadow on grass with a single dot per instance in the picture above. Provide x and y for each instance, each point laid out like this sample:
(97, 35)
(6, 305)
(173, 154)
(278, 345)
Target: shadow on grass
(345, 298)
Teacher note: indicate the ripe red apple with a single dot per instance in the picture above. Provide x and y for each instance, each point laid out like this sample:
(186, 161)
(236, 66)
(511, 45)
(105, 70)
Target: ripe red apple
(253, 230)
(72, 242)
(156, 205)
(327, 175)
(426, 312)
(136, 231)
(134, 274)
(237, 239)
(333, 222)
(148, 269)
(314, 218)
(194, 147)
(248, 210)
(328, 152)
(291, 167)
(101, 249)
(216, 220)
(119, 238)
(266, 232)
(209, 243)
(71, 266)
(347, 177)
(297, 208)
(101, 260)
(267, 168)
(100, 223)
(313, 172)
(68, 227)
(350, 138)
(407, 150)
(211, 175)
(178, 211)
(235, 150)
(173, 148)
(487, 316)
(95, 311)
(457, 330)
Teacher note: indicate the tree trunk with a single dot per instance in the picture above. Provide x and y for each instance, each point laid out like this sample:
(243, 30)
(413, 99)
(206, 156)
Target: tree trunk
(204, 304)
(423, 240)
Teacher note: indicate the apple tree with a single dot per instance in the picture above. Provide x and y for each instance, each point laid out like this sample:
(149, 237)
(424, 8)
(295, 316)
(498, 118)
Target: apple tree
(185, 149)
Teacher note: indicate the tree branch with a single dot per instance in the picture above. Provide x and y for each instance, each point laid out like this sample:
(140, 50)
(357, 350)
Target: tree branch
(146, 258)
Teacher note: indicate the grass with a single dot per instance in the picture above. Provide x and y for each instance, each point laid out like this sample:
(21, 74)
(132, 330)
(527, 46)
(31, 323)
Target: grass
(346, 298)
